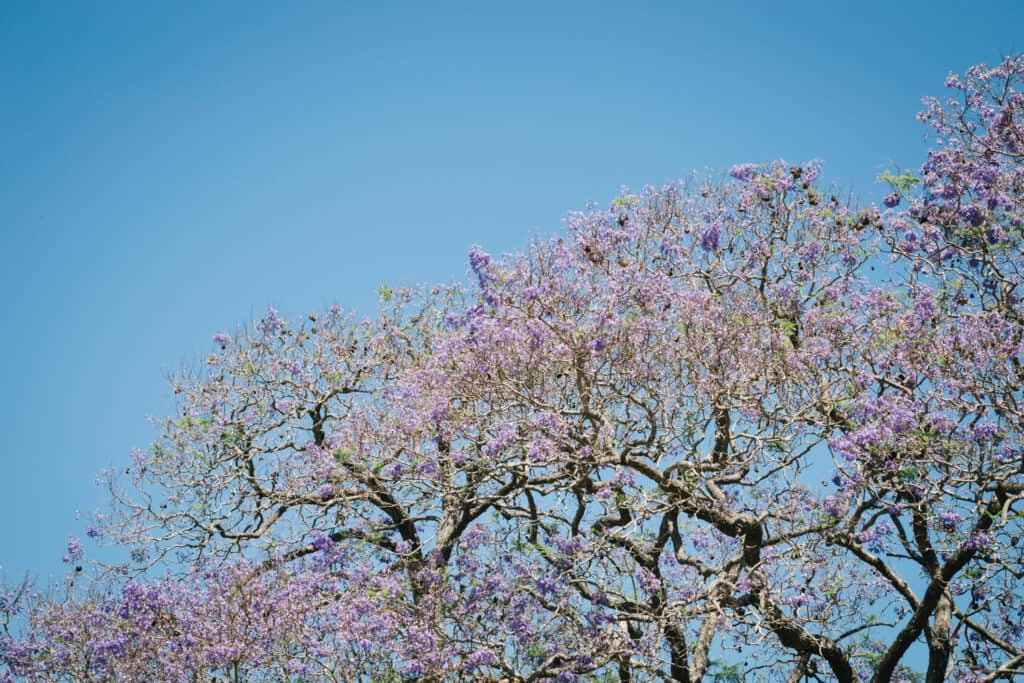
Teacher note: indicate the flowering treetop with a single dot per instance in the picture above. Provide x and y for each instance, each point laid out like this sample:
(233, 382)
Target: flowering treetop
(731, 430)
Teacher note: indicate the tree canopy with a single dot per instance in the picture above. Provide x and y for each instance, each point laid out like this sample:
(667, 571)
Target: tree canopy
(726, 429)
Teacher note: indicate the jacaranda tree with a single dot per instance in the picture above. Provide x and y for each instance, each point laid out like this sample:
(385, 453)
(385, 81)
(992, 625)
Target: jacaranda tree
(723, 430)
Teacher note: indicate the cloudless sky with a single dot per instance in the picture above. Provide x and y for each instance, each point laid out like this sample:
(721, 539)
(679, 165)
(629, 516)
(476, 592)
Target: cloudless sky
(168, 170)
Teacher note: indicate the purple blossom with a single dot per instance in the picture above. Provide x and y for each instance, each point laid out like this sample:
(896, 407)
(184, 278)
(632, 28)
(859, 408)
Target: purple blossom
(978, 540)
(648, 581)
(322, 542)
(709, 237)
(75, 550)
(270, 323)
(799, 600)
(972, 214)
(428, 468)
(985, 432)
(479, 260)
(546, 585)
(475, 536)
(949, 519)
(743, 172)
(1007, 455)
(479, 658)
(833, 506)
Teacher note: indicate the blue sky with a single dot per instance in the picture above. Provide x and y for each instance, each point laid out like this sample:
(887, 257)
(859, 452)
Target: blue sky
(168, 170)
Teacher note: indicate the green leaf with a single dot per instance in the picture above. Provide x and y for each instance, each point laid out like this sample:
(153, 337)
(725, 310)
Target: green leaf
(903, 182)
(786, 327)
(909, 473)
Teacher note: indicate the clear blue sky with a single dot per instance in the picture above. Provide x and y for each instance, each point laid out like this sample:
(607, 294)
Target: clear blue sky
(168, 170)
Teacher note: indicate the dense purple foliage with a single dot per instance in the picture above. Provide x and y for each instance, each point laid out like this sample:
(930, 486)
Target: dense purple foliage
(719, 431)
